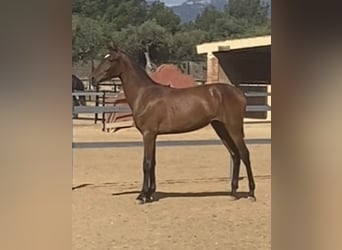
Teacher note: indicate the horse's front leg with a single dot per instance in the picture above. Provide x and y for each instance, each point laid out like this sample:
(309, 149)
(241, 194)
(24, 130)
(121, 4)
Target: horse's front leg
(148, 166)
(153, 186)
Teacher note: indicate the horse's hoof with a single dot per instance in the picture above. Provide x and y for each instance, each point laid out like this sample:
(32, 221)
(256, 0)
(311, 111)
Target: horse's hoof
(252, 198)
(139, 201)
(149, 199)
(142, 199)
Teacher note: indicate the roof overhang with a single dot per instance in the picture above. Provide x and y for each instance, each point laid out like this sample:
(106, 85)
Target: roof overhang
(234, 44)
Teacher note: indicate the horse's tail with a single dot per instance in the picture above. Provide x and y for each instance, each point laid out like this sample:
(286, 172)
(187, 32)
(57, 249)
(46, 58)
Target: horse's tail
(244, 104)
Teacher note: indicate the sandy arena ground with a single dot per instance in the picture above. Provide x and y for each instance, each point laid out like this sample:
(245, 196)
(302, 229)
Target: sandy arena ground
(193, 212)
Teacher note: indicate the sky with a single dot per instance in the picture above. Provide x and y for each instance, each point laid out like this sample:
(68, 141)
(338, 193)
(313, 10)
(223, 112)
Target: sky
(172, 2)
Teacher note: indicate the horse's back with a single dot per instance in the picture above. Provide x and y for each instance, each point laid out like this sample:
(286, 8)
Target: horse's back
(232, 94)
(77, 83)
(226, 101)
(222, 92)
(214, 95)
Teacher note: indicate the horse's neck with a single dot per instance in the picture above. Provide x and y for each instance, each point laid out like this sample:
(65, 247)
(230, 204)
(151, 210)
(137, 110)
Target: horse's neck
(134, 80)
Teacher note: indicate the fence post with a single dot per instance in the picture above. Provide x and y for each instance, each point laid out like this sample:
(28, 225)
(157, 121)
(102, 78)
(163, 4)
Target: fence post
(97, 102)
(103, 114)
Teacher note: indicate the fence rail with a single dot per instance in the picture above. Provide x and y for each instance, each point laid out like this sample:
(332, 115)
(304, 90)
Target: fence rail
(87, 93)
(256, 94)
(99, 109)
(258, 108)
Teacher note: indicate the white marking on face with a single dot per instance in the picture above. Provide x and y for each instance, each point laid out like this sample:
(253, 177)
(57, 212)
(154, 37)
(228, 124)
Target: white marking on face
(106, 56)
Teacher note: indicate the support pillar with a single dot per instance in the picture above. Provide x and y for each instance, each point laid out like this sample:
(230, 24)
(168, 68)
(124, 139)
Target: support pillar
(212, 68)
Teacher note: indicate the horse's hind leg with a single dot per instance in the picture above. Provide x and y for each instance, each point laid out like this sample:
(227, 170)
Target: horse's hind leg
(236, 134)
(229, 144)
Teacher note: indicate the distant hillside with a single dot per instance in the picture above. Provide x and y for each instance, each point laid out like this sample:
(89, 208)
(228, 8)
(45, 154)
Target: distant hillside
(189, 10)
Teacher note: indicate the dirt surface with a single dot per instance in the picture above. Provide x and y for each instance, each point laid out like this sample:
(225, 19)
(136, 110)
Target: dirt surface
(194, 210)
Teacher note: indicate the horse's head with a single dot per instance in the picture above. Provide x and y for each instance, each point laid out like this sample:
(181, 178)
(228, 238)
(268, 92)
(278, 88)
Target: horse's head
(109, 67)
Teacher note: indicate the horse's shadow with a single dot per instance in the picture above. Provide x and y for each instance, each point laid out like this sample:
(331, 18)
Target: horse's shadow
(163, 195)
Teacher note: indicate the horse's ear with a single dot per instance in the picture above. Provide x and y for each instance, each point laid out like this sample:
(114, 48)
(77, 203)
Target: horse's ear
(113, 46)
(110, 46)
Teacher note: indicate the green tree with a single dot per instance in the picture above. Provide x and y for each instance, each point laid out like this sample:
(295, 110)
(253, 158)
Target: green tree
(241, 18)
(136, 26)
(89, 8)
(207, 19)
(254, 11)
(124, 13)
(147, 36)
(87, 38)
(183, 45)
(228, 27)
(260, 30)
(164, 16)
(252, 14)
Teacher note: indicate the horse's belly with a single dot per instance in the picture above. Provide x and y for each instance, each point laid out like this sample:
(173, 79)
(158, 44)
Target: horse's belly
(182, 129)
(184, 120)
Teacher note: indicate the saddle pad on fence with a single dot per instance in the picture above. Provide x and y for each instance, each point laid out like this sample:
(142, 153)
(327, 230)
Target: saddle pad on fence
(171, 75)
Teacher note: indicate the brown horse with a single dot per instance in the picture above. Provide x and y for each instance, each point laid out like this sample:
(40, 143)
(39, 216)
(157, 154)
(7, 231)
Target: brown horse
(160, 110)
(78, 85)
